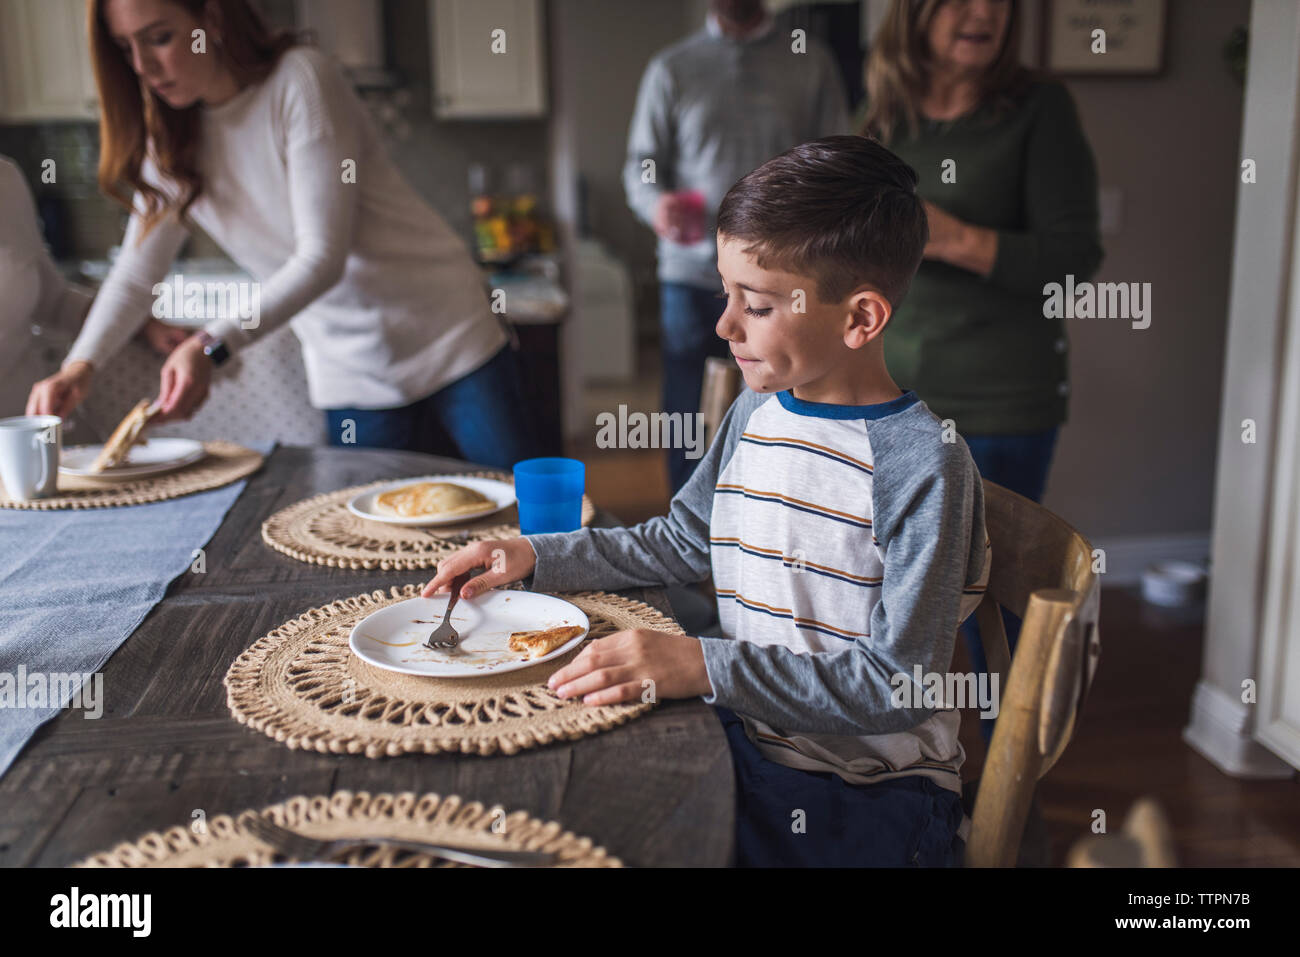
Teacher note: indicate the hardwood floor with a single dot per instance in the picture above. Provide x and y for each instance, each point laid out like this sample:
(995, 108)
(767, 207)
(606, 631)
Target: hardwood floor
(1129, 741)
(1129, 744)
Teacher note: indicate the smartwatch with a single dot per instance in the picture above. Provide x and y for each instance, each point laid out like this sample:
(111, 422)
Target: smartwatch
(214, 348)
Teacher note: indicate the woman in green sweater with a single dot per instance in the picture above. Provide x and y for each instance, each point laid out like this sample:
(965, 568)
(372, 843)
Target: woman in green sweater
(1010, 189)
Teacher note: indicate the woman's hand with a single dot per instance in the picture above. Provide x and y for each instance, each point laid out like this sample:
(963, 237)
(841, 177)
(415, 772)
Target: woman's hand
(506, 560)
(960, 243)
(162, 338)
(635, 665)
(62, 392)
(183, 386)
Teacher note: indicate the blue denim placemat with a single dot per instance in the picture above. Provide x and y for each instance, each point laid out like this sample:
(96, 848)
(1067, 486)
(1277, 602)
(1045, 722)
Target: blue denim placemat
(74, 585)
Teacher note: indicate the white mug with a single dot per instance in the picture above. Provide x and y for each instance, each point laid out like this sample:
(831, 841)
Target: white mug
(29, 455)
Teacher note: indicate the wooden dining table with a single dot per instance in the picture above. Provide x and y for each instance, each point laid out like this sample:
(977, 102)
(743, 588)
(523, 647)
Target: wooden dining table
(655, 791)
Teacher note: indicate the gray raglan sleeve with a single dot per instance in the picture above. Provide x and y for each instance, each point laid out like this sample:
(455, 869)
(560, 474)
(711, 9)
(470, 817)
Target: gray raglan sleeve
(927, 514)
(650, 137)
(670, 549)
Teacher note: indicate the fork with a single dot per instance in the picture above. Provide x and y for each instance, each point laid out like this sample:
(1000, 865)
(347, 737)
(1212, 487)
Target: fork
(445, 637)
(460, 537)
(303, 848)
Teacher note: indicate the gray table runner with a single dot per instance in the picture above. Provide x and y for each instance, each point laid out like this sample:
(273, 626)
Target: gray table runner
(74, 585)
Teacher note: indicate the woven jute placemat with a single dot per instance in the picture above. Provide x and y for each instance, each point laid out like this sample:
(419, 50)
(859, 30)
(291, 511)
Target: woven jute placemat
(302, 685)
(322, 531)
(224, 841)
(224, 463)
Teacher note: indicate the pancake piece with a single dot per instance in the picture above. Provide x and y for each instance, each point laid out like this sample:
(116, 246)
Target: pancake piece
(432, 500)
(535, 644)
(126, 434)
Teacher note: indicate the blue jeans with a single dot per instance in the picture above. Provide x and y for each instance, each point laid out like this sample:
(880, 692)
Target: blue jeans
(687, 317)
(480, 418)
(1019, 463)
(903, 822)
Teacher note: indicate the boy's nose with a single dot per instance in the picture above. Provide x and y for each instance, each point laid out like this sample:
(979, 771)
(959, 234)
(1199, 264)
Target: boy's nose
(727, 327)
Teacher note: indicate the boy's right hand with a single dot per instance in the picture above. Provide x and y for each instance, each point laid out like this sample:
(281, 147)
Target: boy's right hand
(506, 560)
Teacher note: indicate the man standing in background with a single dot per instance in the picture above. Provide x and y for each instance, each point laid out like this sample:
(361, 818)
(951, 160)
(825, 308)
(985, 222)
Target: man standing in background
(711, 108)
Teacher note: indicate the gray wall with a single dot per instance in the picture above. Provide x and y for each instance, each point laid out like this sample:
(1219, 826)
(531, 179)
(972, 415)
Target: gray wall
(1137, 457)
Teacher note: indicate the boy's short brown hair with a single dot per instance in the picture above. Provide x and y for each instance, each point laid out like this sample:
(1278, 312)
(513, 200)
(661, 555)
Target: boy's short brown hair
(842, 209)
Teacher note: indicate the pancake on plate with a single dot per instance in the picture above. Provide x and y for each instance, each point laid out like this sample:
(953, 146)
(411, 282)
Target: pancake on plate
(432, 500)
(535, 644)
(126, 434)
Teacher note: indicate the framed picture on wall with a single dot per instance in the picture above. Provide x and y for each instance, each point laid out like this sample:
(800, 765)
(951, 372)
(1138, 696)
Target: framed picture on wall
(1104, 37)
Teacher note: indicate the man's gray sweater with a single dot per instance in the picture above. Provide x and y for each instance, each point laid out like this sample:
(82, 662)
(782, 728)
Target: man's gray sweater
(709, 110)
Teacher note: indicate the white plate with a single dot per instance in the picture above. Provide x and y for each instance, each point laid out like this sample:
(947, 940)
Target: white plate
(155, 455)
(501, 493)
(393, 637)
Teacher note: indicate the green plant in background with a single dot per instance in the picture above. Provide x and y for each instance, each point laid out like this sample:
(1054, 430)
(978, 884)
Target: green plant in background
(1234, 53)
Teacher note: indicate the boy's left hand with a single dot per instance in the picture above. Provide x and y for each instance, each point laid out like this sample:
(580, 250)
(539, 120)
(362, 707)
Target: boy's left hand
(612, 669)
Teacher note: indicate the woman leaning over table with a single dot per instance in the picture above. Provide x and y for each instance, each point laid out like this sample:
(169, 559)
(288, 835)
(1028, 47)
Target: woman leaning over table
(1010, 189)
(262, 143)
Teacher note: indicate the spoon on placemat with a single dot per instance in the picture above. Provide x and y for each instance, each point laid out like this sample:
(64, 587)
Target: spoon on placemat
(445, 637)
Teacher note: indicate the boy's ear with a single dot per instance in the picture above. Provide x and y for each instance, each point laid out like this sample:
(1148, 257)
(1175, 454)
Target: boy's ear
(869, 313)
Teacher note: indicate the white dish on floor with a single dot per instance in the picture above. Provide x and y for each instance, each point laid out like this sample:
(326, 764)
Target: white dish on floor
(1174, 584)
(502, 495)
(156, 455)
(393, 637)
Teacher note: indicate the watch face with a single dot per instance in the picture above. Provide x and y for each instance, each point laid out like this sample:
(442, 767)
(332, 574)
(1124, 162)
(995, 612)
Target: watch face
(216, 351)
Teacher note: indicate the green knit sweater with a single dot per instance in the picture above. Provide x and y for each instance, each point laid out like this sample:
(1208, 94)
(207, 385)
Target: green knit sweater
(977, 350)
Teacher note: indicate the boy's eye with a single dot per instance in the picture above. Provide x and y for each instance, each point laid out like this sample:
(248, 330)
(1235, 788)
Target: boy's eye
(161, 39)
(748, 311)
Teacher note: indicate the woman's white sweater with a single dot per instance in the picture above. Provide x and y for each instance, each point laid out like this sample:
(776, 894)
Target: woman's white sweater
(299, 192)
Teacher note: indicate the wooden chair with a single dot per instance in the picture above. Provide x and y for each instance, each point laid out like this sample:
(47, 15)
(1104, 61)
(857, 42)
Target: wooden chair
(722, 383)
(1043, 572)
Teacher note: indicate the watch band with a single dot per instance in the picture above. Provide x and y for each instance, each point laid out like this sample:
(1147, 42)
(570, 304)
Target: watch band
(215, 349)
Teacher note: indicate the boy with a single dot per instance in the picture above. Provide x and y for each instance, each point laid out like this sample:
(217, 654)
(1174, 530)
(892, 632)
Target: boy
(842, 523)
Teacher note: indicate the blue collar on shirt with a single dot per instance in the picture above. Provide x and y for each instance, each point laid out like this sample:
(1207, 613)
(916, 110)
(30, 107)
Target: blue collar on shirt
(828, 410)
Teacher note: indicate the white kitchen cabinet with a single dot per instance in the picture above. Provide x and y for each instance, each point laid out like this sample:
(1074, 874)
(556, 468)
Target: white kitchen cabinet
(45, 71)
(488, 59)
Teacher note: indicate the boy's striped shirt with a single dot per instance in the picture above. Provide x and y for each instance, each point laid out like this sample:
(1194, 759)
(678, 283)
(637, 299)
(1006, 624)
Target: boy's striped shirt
(846, 544)
(796, 564)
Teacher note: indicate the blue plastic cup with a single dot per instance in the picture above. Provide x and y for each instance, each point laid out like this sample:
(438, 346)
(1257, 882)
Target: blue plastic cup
(550, 494)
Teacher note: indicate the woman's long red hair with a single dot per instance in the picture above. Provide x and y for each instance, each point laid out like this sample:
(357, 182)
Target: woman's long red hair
(134, 120)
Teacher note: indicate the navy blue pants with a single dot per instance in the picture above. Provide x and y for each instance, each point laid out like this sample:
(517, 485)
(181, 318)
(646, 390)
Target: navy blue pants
(481, 418)
(1019, 463)
(688, 316)
(791, 818)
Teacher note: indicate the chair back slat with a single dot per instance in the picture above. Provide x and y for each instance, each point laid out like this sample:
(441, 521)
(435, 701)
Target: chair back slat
(1042, 572)
(722, 383)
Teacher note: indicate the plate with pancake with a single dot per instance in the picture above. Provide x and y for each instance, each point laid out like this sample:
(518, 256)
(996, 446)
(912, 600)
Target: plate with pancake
(433, 500)
(500, 631)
